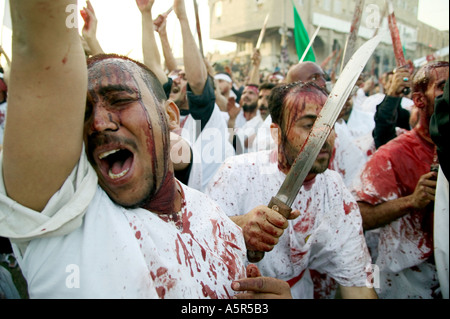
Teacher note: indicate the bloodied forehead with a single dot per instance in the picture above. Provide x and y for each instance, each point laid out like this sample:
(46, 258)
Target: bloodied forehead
(127, 73)
(112, 72)
(304, 102)
(429, 74)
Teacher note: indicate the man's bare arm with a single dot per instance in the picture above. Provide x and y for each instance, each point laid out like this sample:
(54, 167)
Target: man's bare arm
(375, 216)
(194, 65)
(47, 97)
(89, 31)
(358, 293)
(160, 24)
(152, 58)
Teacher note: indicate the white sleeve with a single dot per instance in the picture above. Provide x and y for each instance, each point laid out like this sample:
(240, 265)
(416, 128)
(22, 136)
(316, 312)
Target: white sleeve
(62, 215)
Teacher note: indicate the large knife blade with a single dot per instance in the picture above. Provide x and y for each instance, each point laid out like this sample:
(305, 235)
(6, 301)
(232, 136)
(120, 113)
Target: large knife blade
(354, 29)
(323, 126)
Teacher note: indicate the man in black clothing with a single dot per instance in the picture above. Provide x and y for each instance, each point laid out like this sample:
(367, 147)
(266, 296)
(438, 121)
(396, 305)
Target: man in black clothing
(390, 114)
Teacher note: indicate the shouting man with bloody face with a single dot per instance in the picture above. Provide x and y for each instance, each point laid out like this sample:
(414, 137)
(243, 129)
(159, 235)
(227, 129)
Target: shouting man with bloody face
(94, 211)
(327, 237)
(123, 134)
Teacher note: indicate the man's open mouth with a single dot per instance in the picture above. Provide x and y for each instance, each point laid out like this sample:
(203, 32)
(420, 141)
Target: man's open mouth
(116, 163)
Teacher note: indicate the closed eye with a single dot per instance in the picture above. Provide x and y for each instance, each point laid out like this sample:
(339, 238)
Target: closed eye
(121, 98)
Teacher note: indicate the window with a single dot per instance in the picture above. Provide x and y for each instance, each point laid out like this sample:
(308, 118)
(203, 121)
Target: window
(337, 6)
(218, 9)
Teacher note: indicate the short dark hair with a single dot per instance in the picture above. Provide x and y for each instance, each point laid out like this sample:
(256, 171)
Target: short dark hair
(149, 77)
(277, 98)
(267, 86)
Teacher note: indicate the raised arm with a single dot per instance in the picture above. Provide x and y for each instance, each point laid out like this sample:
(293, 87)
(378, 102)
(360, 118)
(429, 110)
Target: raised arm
(89, 31)
(152, 58)
(46, 102)
(254, 71)
(160, 27)
(194, 65)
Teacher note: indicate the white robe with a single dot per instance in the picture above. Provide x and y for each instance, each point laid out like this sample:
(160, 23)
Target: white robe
(249, 129)
(441, 237)
(327, 237)
(211, 147)
(85, 246)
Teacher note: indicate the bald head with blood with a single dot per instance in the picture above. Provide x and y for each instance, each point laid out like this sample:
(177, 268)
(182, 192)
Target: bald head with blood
(306, 72)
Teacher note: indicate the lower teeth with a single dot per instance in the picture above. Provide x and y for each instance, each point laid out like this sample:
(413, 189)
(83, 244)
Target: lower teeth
(116, 176)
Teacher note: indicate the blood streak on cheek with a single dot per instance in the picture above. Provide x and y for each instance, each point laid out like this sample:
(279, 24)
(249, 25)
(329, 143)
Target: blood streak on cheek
(150, 143)
(163, 200)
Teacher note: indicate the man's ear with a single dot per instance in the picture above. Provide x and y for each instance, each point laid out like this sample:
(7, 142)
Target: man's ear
(173, 115)
(275, 131)
(419, 100)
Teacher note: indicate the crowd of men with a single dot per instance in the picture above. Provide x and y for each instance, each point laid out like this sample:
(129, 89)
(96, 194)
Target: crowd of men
(127, 179)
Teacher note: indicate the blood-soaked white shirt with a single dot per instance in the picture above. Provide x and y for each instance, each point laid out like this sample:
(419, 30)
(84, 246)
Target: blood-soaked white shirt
(327, 237)
(406, 244)
(124, 253)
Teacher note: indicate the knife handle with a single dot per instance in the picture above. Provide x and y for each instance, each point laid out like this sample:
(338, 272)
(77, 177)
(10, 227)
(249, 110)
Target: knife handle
(283, 209)
(280, 207)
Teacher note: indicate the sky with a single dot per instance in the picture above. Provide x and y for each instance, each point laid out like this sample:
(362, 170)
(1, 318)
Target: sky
(119, 26)
(435, 13)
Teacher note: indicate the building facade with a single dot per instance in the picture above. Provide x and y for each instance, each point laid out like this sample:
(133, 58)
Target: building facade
(240, 21)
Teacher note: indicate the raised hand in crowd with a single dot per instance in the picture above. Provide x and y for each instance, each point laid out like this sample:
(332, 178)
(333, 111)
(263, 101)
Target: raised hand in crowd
(160, 24)
(89, 31)
(152, 58)
(398, 81)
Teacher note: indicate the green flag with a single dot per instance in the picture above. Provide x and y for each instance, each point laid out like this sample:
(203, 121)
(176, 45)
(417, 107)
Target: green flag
(302, 38)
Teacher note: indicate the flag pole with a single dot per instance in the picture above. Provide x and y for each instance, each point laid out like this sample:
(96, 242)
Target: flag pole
(263, 32)
(199, 31)
(345, 51)
(310, 44)
(300, 31)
